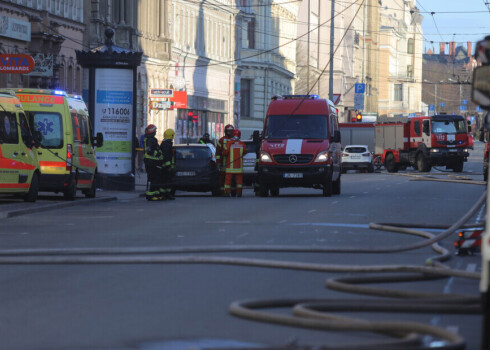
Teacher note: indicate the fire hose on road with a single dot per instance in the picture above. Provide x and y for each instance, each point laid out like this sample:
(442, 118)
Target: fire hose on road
(315, 314)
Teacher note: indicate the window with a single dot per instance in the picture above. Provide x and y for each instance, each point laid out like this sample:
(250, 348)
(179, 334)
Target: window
(77, 137)
(8, 128)
(410, 71)
(25, 131)
(398, 92)
(251, 34)
(410, 48)
(80, 128)
(84, 129)
(245, 93)
(416, 128)
(296, 127)
(51, 127)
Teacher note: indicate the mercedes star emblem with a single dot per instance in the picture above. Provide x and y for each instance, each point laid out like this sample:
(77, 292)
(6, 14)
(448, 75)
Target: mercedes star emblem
(293, 158)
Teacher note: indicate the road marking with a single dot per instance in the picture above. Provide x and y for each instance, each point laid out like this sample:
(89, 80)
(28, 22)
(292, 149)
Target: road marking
(242, 235)
(229, 222)
(282, 221)
(471, 268)
(329, 224)
(311, 211)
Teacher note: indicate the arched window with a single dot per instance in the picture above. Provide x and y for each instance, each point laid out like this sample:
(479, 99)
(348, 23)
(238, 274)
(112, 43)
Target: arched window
(410, 48)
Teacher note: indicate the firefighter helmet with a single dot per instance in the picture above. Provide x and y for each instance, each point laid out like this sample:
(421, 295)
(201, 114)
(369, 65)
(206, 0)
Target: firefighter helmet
(236, 134)
(228, 130)
(150, 129)
(169, 134)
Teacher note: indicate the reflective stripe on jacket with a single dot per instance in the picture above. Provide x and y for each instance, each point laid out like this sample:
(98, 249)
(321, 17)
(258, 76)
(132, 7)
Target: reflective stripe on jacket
(220, 149)
(234, 152)
(152, 151)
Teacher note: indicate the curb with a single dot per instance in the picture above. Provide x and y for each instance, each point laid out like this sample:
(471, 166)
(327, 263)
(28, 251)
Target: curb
(20, 212)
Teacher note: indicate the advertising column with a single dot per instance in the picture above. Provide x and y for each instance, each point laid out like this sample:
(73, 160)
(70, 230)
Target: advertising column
(114, 119)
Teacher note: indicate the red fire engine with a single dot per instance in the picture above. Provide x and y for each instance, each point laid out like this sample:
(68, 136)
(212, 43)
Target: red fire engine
(422, 142)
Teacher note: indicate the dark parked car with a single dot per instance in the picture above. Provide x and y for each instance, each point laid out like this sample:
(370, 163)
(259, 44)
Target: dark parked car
(196, 169)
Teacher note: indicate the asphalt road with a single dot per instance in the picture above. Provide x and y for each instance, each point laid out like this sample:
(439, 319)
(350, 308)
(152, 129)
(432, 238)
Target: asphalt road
(146, 306)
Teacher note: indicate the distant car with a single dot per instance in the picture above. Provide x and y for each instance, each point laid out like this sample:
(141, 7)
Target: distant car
(357, 157)
(249, 163)
(196, 169)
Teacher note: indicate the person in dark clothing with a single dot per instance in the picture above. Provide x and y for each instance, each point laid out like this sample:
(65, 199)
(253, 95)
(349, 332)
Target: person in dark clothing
(205, 139)
(153, 162)
(168, 164)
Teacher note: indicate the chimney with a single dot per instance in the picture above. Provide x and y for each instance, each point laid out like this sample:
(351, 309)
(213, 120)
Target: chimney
(469, 49)
(442, 48)
(452, 49)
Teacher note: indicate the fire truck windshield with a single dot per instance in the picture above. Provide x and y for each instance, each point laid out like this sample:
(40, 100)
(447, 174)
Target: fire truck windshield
(296, 127)
(448, 126)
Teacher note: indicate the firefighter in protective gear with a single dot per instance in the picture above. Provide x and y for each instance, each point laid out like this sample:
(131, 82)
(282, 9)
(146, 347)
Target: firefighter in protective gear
(153, 161)
(168, 164)
(220, 157)
(234, 152)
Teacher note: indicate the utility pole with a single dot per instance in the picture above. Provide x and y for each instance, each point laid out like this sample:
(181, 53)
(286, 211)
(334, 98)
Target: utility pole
(332, 43)
(308, 54)
(363, 42)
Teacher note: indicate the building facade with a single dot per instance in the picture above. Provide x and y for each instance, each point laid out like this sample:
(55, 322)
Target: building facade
(355, 51)
(400, 59)
(447, 79)
(266, 37)
(49, 31)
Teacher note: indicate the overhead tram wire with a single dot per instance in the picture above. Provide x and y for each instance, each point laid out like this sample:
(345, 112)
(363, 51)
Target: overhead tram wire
(272, 49)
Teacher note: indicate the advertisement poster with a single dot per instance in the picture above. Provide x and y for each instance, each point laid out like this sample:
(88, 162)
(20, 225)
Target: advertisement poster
(44, 65)
(114, 119)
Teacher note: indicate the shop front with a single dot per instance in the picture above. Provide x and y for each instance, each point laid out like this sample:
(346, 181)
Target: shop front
(201, 115)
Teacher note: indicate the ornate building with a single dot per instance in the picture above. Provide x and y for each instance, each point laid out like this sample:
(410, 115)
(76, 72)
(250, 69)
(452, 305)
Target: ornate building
(50, 31)
(400, 59)
(267, 32)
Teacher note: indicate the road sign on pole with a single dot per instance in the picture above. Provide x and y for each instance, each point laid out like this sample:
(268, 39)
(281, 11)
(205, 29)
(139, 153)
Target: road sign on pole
(359, 101)
(336, 98)
(360, 88)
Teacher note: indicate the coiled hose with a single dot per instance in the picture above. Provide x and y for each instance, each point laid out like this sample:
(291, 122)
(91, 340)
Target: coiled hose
(315, 314)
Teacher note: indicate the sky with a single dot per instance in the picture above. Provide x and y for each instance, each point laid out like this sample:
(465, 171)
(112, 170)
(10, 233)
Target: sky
(469, 20)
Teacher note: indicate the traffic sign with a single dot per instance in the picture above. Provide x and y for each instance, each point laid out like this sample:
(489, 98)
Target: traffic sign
(464, 102)
(462, 108)
(442, 104)
(360, 88)
(336, 98)
(432, 108)
(359, 101)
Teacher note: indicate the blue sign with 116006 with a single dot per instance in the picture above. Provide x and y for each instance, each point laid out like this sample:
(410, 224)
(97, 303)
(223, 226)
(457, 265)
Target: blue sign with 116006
(360, 88)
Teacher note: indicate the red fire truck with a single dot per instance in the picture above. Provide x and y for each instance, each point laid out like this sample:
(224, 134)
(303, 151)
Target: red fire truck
(422, 142)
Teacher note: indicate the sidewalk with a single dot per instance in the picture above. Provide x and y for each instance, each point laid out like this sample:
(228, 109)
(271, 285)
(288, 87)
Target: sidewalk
(12, 206)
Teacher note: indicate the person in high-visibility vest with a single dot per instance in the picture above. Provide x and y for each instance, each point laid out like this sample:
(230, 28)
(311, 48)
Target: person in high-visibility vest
(234, 152)
(220, 157)
(168, 165)
(153, 160)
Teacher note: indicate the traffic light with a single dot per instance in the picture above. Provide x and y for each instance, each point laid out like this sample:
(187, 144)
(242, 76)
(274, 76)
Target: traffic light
(192, 117)
(359, 117)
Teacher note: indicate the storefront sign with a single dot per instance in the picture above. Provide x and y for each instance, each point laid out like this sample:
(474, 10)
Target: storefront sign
(16, 63)
(44, 65)
(114, 119)
(161, 93)
(179, 99)
(161, 104)
(15, 28)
